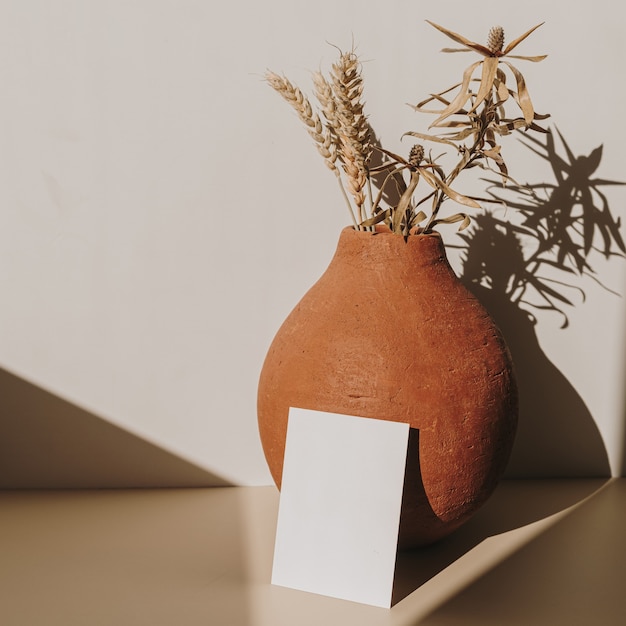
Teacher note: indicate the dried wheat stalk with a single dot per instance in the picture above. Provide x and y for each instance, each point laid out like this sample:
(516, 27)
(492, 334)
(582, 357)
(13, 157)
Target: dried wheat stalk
(301, 105)
(332, 139)
(350, 125)
(328, 105)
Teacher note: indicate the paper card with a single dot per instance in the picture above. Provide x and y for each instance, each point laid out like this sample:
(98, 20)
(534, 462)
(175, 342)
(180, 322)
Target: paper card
(339, 510)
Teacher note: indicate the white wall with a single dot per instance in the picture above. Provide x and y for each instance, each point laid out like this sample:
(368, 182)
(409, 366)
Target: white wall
(161, 210)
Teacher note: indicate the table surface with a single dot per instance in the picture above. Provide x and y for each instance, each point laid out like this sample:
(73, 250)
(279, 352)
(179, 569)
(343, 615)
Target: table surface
(539, 552)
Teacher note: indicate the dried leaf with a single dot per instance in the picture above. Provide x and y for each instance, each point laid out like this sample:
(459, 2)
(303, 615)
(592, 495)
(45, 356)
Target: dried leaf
(462, 40)
(462, 97)
(490, 66)
(513, 44)
(427, 137)
(435, 182)
(454, 219)
(493, 154)
(405, 201)
(501, 88)
(523, 97)
(455, 50)
(534, 59)
(466, 222)
(435, 96)
(420, 216)
(507, 126)
(377, 219)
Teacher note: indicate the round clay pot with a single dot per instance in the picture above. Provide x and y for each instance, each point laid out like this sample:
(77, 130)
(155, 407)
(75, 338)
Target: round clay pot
(389, 332)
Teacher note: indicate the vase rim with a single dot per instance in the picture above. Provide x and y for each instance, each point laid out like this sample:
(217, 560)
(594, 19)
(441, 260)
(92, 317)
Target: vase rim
(385, 231)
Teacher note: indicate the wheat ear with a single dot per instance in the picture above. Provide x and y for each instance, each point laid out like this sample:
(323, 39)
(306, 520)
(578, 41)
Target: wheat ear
(354, 148)
(326, 99)
(323, 137)
(301, 105)
(342, 133)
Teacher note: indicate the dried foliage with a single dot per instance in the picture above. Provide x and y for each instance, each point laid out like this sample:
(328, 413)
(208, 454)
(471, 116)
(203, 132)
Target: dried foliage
(472, 120)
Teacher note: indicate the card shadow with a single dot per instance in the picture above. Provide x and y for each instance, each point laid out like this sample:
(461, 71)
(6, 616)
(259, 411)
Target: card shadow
(47, 442)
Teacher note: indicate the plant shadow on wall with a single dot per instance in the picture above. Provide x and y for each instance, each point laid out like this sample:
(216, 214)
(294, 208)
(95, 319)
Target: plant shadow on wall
(527, 257)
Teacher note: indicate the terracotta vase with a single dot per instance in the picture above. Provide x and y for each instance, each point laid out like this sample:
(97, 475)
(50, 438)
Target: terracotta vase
(389, 332)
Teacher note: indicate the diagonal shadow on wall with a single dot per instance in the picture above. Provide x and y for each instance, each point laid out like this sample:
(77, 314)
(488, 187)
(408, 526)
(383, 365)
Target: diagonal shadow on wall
(47, 442)
(528, 261)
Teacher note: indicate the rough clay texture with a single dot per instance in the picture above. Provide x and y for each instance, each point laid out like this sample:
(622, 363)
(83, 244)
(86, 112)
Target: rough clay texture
(389, 332)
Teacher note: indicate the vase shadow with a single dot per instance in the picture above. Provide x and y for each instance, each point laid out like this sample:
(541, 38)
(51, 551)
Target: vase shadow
(569, 573)
(557, 436)
(514, 504)
(47, 442)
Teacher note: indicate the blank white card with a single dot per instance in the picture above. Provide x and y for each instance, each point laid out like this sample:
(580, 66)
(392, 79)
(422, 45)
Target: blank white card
(340, 503)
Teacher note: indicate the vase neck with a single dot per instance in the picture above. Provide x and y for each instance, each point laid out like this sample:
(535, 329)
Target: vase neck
(394, 251)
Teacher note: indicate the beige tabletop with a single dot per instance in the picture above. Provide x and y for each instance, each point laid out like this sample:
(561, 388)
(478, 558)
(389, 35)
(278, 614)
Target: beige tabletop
(540, 552)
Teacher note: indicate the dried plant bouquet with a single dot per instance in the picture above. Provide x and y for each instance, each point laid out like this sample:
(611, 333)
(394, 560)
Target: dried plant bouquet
(407, 194)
